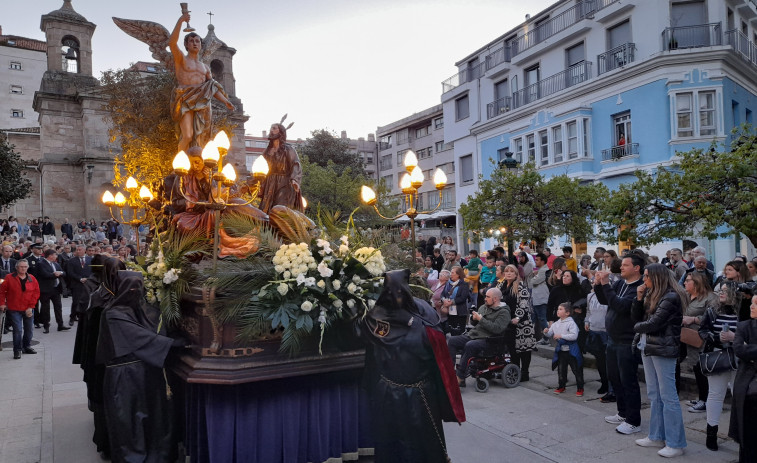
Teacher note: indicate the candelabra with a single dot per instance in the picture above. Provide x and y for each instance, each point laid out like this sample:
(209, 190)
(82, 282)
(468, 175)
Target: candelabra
(220, 181)
(409, 184)
(138, 199)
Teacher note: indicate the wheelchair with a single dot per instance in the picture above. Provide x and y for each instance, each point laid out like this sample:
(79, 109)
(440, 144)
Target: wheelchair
(493, 363)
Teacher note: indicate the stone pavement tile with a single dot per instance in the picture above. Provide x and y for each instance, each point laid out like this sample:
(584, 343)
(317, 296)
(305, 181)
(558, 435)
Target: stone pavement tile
(69, 397)
(25, 455)
(73, 429)
(27, 405)
(471, 443)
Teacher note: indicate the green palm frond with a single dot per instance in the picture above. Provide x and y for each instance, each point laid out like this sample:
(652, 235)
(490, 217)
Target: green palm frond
(236, 282)
(293, 226)
(238, 224)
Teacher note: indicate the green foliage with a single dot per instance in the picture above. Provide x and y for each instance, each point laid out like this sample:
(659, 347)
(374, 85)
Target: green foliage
(14, 186)
(323, 147)
(704, 191)
(139, 112)
(532, 207)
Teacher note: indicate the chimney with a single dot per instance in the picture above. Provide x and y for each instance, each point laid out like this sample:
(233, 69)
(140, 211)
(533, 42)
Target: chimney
(1, 31)
(265, 134)
(371, 137)
(344, 134)
(528, 16)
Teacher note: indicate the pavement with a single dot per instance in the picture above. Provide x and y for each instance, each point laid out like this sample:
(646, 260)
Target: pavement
(44, 416)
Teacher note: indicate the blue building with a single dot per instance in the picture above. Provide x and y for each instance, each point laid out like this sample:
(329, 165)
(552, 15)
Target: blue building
(598, 89)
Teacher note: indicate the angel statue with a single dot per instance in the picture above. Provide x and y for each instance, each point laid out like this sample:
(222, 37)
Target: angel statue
(191, 99)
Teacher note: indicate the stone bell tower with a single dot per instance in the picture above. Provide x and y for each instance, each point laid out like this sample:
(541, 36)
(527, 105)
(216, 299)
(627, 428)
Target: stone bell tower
(76, 162)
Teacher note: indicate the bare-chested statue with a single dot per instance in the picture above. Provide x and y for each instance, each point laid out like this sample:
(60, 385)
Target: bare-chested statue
(191, 99)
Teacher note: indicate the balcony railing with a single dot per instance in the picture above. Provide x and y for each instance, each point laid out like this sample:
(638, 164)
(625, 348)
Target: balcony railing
(615, 58)
(466, 75)
(618, 152)
(574, 75)
(551, 27)
(497, 107)
(384, 145)
(741, 45)
(498, 57)
(704, 35)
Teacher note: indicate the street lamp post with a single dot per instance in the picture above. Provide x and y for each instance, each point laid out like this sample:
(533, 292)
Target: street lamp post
(409, 184)
(138, 199)
(511, 165)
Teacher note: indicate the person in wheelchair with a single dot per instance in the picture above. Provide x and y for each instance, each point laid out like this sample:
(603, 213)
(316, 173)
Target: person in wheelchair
(491, 319)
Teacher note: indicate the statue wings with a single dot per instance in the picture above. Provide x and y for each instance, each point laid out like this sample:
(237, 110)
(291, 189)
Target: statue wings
(157, 38)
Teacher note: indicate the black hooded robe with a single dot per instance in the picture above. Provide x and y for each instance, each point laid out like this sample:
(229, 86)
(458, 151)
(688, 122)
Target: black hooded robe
(137, 409)
(743, 426)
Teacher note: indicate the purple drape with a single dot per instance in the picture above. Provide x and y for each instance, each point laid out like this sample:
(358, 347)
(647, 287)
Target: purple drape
(299, 419)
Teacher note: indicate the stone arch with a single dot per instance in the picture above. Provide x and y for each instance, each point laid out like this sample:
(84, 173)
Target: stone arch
(216, 68)
(70, 54)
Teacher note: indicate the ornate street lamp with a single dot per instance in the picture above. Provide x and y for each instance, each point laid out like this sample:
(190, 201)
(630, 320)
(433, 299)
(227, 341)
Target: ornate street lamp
(409, 184)
(220, 180)
(511, 165)
(138, 199)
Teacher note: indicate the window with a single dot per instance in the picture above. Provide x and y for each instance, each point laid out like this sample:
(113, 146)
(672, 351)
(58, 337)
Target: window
(261, 144)
(70, 54)
(574, 55)
(441, 146)
(401, 157)
(543, 148)
(466, 169)
(557, 143)
(685, 127)
(428, 174)
(622, 129)
(438, 123)
(385, 142)
(402, 136)
(531, 148)
(707, 124)
(424, 153)
(448, 198)
(619, 34)
(530, 79)
(572, 130)
(248, 143)
(386, 162)
(17, 113)
(518, 149)
(461, 108)
(422, 132)
(586, 137)
(15, 65)
(17, 89)
(387, 179)
(501, 89)
(368, 158)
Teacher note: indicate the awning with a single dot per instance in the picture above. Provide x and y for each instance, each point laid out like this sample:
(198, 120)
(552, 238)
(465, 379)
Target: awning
(442, 214)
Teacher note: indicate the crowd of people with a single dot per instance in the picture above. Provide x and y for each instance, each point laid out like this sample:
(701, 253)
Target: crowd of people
(625, 310)
(41, 265)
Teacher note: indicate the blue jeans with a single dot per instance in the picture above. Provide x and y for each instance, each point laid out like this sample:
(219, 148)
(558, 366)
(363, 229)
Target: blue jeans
(622, 371)
(666, 421)
(17, 319)
(540, 313)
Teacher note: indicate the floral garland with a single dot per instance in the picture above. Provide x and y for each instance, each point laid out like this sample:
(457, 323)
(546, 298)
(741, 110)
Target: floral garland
(319, 284)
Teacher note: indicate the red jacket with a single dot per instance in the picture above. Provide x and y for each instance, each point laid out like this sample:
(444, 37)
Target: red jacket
(12, 296)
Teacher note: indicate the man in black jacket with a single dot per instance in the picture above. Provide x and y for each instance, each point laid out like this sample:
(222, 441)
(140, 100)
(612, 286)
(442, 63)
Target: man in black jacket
(48, 230)
(622, 360)
(67, 229)
(78, 271)
(49, 275)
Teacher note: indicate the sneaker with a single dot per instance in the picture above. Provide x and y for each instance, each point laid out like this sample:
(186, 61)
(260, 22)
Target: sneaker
(693, 401)
(544, 342)
(580, 393)
(699, 407)
(626, 428)
(647, 442)
(559, 390)
(669, 452)
(608, 398)
(602, 390)
(615, 419)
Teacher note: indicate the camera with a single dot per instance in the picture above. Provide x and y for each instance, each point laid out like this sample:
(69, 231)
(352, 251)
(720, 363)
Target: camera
(750, 287)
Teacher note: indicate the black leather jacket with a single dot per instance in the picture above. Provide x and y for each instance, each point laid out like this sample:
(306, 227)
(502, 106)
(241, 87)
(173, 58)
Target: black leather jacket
(662, 327)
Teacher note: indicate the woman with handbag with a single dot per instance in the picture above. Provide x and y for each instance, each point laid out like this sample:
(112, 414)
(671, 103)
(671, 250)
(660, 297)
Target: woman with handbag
(658, 310)
(436, 299)
(743, 427)
(455, 300)
(691, 344)
(716, 331)
(520, 336)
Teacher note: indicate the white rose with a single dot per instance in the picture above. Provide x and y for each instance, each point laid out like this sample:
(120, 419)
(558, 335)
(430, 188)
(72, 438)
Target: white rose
(356, 279)
(321, 284)
(287, 275)
(344, 249)
(310, 281)
(337, 284)
(304, 246)
(350, 303)
(371, 303)
(338, 304)
(279, 269)
(351, 287)
(300, 279)
(312, 265)
(306, 306)
(283, 288)
(324, 270)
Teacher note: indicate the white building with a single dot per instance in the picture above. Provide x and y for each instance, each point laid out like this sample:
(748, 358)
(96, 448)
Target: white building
(600, 88)
(23, 61)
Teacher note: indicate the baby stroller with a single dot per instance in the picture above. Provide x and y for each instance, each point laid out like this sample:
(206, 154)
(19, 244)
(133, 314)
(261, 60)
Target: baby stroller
(493, 362)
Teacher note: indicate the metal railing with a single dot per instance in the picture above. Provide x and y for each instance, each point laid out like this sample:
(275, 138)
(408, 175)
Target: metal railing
(704, 35)
(574, 75)
(741, 45)
(466, 75)
(615, 58)
(384, 145)
(497, 107)
(551, 27)
(601, 4)
(497, 57)
(617, 152)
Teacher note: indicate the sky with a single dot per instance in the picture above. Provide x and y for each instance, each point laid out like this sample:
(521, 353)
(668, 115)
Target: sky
(329, 64)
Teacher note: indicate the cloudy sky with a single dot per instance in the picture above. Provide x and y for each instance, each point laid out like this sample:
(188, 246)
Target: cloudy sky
(336, 64)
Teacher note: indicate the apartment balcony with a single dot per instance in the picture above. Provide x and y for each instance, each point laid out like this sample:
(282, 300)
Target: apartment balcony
(574, 75)
(463, 77)
(554, 25)
(497, 57)
(497, 107)
(615, 58)
(742, 46)
(384, 145)
(617, 153)
(703, 35)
